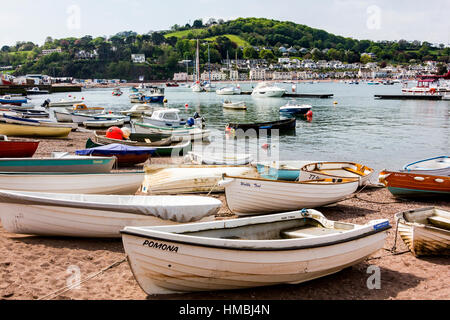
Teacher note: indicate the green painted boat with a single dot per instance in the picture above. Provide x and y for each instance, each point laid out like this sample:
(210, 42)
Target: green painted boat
(59, 162)
(176, 149)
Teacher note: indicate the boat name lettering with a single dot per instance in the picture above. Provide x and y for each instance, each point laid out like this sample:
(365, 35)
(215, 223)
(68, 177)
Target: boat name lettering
(256, 185)
(381, 225)
(161, 246)
(314, 177)
(245, 184)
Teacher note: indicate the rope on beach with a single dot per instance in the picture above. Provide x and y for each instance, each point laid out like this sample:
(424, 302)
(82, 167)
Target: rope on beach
(59, 292)
(213, 187)
(387, 255)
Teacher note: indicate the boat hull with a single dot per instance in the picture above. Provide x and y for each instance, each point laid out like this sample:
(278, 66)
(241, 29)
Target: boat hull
(191, 268)
(247, 196)
(79, 216)
(402, 184)
(423, 239)
(74, 165)
(90, 183)
(17, 130)
(185, 179)
(18, 149)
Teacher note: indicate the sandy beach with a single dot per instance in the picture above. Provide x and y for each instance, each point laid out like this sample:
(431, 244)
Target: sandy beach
(35, 267)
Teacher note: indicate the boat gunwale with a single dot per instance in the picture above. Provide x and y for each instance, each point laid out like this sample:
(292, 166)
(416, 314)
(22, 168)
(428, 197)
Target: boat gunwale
(309, 182)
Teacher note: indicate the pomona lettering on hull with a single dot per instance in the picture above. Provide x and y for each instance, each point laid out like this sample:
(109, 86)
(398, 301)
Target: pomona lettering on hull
(161, 246)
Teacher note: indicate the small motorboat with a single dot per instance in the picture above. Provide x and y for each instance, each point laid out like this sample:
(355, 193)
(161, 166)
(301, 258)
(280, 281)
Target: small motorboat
(81, 107)
(137, 110)
(17, 148)
(15, 101)
(165, 118)
(250, 196)
(63, 116)
(425, 231)
(295, 109)
(405, 184)
(281, 125)
(63, 103)
(117, 92)
(126, 155)
(228, 91)
(266, 90)
(96, 216)
(439, 166)
(172, 84)
(104, 123)
(80, 118)
(286, 248)
(31, 113)
(240, 105)
(36, 90)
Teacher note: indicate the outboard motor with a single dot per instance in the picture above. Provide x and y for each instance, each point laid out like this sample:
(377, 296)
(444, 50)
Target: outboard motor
(46, 103)
(199, 120)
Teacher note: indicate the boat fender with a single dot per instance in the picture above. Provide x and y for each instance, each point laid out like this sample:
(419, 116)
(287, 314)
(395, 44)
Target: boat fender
(439, 180)
(304, 212)
(419, 178)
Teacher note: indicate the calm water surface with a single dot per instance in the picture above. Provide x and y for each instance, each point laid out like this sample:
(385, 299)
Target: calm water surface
(377, 133)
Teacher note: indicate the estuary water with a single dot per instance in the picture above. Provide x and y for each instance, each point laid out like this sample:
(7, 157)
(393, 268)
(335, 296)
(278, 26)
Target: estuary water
(377, 133)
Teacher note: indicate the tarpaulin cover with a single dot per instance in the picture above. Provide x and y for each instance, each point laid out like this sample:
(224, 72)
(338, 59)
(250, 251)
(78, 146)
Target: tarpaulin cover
(116, 148)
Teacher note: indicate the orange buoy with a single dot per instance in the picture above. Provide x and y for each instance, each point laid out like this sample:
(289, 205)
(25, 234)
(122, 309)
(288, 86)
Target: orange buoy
(114, 133)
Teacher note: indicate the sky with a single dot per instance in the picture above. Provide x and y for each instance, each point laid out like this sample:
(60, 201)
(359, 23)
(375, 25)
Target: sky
(31, 20)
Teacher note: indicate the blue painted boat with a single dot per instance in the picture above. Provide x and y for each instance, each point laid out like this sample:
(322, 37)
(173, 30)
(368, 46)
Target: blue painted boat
(282, 170)
(295, 109)
(14, 101)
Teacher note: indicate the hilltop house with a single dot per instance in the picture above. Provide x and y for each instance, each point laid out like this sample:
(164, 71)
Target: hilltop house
(138, 58)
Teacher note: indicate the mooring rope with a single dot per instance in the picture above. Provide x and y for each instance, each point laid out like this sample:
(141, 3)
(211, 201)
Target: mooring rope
(59, 292)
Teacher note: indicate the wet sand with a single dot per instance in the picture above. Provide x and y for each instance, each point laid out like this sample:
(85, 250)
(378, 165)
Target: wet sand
(34, 267)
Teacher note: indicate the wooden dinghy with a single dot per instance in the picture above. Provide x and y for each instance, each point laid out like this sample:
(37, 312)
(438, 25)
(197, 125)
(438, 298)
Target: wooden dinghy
(324, 170)
(438, 166)
(17, 148)
(247, 196)
(425, 231)
(218, 159)
(99, 216)
(281, 170)
(125, 155)
(83, 183)
(287, 248)
(59, 162)
(282, 125)
(181, 179)
(404, 184)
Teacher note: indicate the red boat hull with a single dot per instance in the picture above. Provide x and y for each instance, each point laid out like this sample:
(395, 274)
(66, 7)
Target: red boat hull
(18, 149)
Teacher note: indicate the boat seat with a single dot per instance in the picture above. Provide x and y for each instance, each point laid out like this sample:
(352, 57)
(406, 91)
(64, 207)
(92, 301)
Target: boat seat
(353, 171)
(440, 222)
(308, 232)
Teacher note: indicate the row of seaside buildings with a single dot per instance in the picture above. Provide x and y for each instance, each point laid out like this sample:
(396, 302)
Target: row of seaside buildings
(295, 69)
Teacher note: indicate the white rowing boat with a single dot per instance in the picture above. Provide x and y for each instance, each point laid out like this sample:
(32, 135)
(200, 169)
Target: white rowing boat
(83, 183)
(104, 123)
(99, 216)
(287, 248)
(438, 166)
(240, 105)
(218, 159)
(247, 196)
(425, 231)
(324, 170)
(179, 179)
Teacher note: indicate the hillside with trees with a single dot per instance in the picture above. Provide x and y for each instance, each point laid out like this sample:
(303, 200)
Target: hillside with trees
(246, 38)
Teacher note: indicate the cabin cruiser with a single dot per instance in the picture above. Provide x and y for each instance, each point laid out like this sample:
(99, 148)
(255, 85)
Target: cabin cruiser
(165, 118)
(264, 89)
(36, 90)
(294, 108)
(228, 91)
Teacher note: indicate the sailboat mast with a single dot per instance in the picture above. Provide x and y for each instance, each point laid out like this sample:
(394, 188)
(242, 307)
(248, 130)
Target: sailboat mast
(198, 64)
